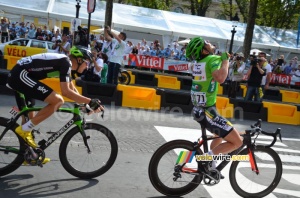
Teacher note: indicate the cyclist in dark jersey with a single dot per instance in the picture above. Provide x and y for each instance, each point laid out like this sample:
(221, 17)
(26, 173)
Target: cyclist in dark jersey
(209, 70)
(26, 75)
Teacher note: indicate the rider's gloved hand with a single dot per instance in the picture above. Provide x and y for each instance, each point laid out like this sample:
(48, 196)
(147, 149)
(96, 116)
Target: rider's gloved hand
(224, 56)
(94, 104)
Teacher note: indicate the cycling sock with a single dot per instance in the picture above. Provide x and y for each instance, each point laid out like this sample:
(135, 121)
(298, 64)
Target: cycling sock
(213, 163)
(28, 126)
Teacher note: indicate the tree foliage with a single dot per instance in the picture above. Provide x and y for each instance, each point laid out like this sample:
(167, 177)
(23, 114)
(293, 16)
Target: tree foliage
(198, 7)
(272, 13)
(154, 4)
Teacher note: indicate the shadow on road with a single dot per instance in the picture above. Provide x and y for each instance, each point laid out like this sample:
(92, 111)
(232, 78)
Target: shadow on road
(15, 186)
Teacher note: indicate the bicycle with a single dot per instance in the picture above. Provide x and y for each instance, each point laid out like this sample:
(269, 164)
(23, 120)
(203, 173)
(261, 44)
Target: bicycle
(87, 150)
(173, 174)
(124, 77)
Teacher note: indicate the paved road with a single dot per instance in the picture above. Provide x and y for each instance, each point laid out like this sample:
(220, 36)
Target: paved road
(139, 134)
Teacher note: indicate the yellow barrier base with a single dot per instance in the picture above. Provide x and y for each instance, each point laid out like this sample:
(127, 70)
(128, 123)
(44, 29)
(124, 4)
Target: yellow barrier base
(224, 108)
(220, 89)
(132, 77)
(282, 113)
(170, 82)
(244, 88)
(139, 97)
(290, 96)
(54, 83)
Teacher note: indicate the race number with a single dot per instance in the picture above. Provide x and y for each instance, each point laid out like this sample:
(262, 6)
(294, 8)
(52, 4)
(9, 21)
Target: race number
(198, 98)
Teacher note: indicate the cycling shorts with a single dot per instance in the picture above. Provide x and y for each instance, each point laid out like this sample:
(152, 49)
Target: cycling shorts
(212, 121)
(20, 80)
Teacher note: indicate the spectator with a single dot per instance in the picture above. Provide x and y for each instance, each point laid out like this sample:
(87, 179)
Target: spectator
(135, 50)
(297, 72)
(98, 46)
(117, 52)
(39, 34)
(151, 46)
(288, 68)
(128, 48)
(94, 70)
(295, 62)
(142, 50)
(147, 52)
(4, 25)
(266, 79)
(31, 31)
(13, 31)
(167, 52)
(175, 51)
(22, 30)
(254, 75)
(103, 74)
(46, 32)
(64, 46)
(237, 75)
(56, 37)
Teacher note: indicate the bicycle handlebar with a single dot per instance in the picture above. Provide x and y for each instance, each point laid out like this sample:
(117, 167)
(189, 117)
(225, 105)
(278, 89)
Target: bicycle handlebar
(84, 109)
(256, 130)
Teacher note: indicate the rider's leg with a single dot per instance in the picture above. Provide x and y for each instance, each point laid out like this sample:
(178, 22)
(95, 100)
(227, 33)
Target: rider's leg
(233, 142)
(54, 101)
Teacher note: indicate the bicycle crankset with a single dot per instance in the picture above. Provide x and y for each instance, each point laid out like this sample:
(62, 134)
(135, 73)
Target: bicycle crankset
(212, 178)
(34, 157)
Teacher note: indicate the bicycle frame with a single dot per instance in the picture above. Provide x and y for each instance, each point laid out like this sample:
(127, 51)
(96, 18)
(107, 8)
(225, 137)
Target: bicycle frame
(203, 142)
(77, 120)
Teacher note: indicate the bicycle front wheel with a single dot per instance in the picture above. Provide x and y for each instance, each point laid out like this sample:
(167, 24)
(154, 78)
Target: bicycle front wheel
(166, 169)
(11, 149)
(248, 183)
(75, 157)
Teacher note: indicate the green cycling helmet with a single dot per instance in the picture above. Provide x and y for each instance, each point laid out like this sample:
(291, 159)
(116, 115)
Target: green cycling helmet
(82, 52)
(194, 48)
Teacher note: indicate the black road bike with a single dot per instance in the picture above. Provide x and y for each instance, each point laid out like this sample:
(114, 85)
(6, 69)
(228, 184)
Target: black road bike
(173, 174)
(87, 150)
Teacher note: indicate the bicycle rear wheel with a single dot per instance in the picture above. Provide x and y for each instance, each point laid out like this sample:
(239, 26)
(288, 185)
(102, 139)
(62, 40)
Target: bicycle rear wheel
(11, 149)
(248, 183)
(163, 169)
(74, 155)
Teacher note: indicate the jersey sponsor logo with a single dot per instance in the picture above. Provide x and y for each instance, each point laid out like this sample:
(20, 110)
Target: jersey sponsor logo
(42, 89)
(196, 87)
(212, 86)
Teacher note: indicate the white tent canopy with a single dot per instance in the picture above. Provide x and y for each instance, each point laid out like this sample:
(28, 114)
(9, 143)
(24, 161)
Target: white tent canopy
(101, 31)
(170, 25)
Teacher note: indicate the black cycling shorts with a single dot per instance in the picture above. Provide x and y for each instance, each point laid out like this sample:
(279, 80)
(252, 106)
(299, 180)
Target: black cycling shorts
(20, 80)
(213, 122)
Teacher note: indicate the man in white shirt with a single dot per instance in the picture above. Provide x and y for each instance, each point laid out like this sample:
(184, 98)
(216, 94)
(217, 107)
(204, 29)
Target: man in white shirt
(117, 53)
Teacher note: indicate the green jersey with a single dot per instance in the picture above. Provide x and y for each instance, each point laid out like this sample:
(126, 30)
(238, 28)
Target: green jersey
(204, 87)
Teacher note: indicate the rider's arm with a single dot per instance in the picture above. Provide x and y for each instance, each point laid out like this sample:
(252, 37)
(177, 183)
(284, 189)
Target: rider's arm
(72, 94)
(220, 75)
(72, 87)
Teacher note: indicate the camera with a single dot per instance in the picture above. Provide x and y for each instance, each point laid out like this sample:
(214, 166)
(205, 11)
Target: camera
(58, 41)
(255, 60)
(106, 27)
(238, 58)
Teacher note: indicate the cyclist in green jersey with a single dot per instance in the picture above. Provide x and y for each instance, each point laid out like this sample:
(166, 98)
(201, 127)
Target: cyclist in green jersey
(208, 71)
